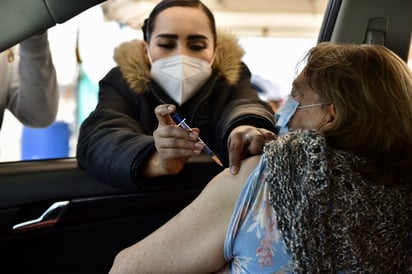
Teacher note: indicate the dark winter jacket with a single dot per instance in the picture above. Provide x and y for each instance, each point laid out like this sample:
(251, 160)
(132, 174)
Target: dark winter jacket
(116, 139)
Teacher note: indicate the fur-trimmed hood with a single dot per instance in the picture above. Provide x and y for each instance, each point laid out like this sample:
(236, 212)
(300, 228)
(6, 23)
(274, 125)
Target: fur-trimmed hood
(129, 56)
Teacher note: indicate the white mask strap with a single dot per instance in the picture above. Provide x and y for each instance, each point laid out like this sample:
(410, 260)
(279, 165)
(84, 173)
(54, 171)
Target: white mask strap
(213, 58)
(313, 105)
(148, 54)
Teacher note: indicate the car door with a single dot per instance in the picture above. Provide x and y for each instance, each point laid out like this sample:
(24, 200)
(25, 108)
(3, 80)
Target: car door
(55, 218)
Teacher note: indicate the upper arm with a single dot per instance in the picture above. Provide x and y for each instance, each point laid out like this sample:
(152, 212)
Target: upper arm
(193, 240)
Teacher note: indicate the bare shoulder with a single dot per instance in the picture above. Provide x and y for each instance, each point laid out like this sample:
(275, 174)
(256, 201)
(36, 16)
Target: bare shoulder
(236, 182)
(250, 164)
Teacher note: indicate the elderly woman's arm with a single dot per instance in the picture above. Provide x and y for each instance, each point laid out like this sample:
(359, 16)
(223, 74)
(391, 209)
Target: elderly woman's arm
(192, 241)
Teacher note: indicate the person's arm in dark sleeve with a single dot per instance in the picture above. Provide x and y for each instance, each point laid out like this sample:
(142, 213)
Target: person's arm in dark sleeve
(245, 108)
(112, 142)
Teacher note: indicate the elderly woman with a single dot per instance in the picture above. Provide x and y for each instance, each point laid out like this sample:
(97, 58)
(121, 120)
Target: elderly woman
(332, 194)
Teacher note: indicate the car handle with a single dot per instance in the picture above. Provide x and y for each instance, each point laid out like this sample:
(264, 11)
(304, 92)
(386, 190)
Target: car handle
(49, 218)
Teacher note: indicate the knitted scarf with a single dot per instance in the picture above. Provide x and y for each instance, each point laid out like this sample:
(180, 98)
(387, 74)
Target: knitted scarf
(331, 218)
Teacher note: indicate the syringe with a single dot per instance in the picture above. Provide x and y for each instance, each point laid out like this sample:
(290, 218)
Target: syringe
(181, 123)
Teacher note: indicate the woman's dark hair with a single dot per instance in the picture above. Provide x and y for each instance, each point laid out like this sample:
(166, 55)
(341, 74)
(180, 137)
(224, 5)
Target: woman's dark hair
(148, 25)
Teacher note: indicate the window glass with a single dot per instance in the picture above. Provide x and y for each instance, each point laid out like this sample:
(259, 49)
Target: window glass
(77, 86)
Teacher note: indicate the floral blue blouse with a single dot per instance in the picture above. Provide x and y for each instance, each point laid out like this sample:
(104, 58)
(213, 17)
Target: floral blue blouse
(253, 242)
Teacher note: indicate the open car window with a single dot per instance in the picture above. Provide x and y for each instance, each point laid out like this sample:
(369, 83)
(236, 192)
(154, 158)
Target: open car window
(285, 32)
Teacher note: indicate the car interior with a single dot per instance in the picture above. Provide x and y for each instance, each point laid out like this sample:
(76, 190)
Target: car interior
(55, 218)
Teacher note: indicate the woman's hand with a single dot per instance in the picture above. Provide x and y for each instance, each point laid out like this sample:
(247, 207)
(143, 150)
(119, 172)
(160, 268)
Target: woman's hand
(245, 141)
(174, 145)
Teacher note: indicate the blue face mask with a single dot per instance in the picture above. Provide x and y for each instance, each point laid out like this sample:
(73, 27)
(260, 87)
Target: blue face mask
(284, 115)
(286, 111)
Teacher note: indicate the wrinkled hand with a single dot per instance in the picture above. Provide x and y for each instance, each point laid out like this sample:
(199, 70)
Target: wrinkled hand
(245, 141)
(174, 145)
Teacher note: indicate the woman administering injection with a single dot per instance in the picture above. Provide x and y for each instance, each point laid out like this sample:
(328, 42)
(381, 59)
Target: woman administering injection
(181, 123)
(132, 123)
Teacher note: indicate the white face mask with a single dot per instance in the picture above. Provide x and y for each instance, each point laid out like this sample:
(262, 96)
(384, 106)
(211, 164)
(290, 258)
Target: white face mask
(180, 76)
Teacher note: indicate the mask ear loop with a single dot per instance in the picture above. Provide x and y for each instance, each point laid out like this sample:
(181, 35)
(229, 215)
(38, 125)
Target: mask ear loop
(148, 54)
(213, 58)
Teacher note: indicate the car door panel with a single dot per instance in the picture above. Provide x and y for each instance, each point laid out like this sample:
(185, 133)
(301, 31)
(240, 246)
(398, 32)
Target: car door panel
(97, 221)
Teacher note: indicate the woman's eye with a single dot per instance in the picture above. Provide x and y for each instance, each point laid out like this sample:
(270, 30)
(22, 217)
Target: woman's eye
(197, 47)
(166, 45)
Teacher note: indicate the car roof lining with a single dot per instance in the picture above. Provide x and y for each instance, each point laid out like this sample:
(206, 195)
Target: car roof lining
(357, 15)
(39, 15)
